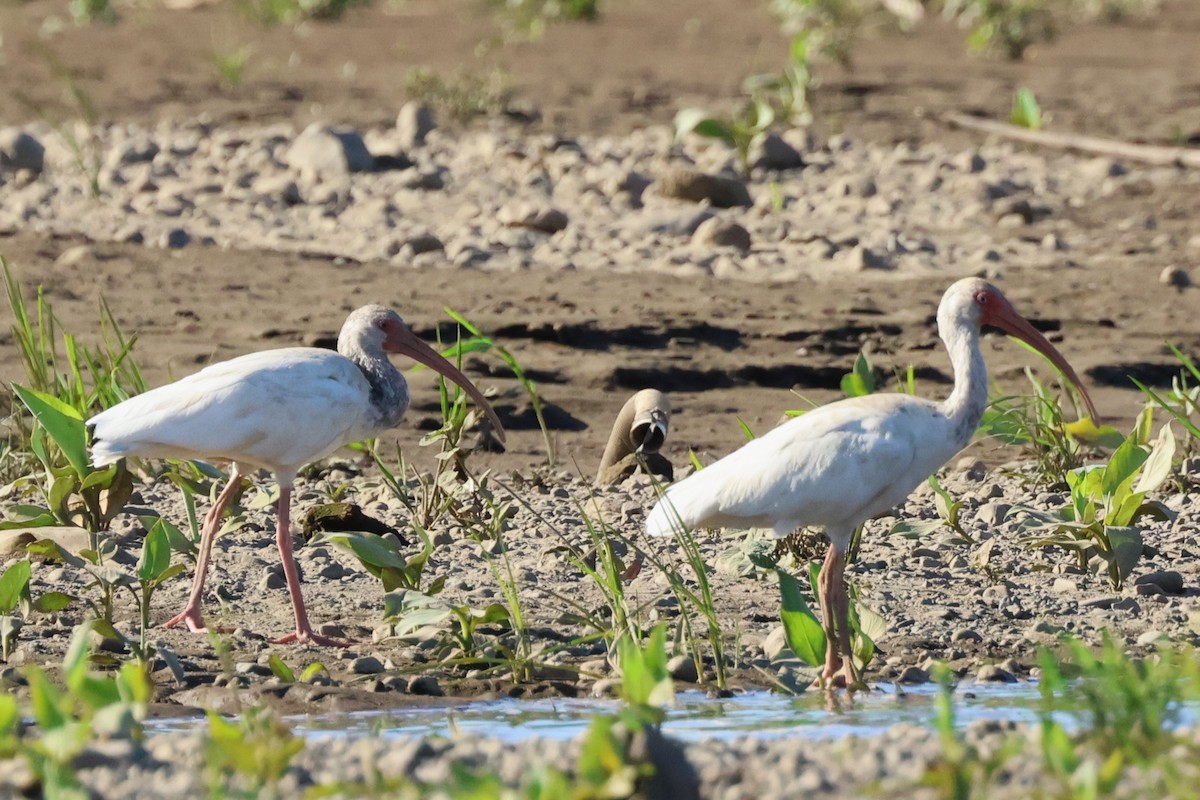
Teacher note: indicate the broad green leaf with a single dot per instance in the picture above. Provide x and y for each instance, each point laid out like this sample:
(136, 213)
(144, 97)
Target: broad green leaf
(312, 670)
(1156, 510)
(1057, 748)
(167, 574)
(46, 700)
(1086, 430)
(281, 670)
(916, 529)
(95, 691)
(870, 622)
(52, 601)
(156, 553)
(59, 496)
(14, 585)
(54, 552)
(101, 478)
(417, 618)
(1126, 545)
(814, 578)
(864, 649)
(1143, 425)
(1157, 468)
(493, 613)
(803, 632)
(75, 660)
(1025, 111)
(368, 548)
(62, 422)
(1125, 462)
(698, 121)
(41, 518)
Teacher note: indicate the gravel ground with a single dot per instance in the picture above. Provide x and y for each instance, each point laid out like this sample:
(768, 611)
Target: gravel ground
(844, 230)
(502, 199)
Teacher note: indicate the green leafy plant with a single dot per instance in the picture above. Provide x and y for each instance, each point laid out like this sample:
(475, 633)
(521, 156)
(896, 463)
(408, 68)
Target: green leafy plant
(230, 65)
(1037, 423)
(85, 12)
(804, 633)
(89, 706)
(154, 568)
(249, 757)
(1025, 110)
(1183, 401)
(1129, 708)
(63, 388)
(382, 559)
(526, 20)
(463, 95)
(1012, 26)
(408, 611)
(86, 150)
(645, 678)
(963, 772)
(1107, 500)
(15, 593)
(479, 341)
(14, 589)
(948, 510)
(74, 492)
(771, 98)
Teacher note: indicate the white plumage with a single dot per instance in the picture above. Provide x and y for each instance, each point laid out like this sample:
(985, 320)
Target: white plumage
(853, 459)
(276, 410)
(824, 469)
(244, 410)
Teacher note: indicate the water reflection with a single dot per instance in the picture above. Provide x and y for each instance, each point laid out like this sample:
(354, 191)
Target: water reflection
(695, 715)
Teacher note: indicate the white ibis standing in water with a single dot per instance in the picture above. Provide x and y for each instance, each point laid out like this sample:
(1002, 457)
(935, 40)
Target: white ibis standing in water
(275, 410)
(844, 463)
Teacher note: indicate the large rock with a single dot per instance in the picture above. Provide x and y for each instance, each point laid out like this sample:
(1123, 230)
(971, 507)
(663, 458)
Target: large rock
(536, 216)
(717, 232)
(321, 153)
(19, 150)
(414, 123)
(67, 537)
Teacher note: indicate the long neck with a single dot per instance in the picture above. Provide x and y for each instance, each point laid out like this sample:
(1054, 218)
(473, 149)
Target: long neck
(966, 403)
(389, 390)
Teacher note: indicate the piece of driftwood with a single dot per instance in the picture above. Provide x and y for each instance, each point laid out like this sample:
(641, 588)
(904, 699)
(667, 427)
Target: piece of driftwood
(1095, 145)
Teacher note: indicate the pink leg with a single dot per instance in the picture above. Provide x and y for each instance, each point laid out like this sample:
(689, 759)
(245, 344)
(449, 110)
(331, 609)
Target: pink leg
(839, 654)
(208, 534)
(283, 539)
(824, 588)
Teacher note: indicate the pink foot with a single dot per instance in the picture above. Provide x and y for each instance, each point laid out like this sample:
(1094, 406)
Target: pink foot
(191, 616)
(195, 623)
(310, 637)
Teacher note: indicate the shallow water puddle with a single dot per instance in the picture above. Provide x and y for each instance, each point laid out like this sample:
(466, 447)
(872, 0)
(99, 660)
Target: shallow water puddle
(695, 716)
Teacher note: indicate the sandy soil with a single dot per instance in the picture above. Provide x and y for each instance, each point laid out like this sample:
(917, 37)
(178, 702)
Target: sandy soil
(722, 347)
(1105, 294)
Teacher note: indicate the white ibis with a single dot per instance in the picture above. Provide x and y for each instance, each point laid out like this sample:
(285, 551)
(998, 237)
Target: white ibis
(275, 410)
(853, 459)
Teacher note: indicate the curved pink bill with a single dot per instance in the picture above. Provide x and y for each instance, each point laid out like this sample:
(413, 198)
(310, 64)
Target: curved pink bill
(407, 343)
(1005, 317)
